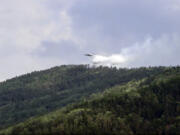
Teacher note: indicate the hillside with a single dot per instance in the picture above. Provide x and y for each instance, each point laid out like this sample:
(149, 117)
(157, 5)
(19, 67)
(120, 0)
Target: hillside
(144, 106)
(41, 92)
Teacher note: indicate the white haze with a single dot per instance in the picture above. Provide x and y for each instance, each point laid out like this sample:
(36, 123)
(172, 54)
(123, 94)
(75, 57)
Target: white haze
(112, 59)
(152, 52)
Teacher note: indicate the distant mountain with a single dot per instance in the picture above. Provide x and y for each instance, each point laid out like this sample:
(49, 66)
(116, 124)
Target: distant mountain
(87, 100)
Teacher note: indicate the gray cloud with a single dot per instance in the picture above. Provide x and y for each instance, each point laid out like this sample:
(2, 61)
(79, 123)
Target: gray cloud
(110, 27)
(121, 21)
(39, 34)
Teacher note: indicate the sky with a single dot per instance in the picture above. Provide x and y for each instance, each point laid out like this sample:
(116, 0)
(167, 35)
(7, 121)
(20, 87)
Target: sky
(39, 34)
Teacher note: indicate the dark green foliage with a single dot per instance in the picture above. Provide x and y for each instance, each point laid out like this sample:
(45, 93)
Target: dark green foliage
(41, 92)
(141, 106)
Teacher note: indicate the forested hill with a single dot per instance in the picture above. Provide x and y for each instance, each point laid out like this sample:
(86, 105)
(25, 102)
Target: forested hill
(143, 101)
(41, 92)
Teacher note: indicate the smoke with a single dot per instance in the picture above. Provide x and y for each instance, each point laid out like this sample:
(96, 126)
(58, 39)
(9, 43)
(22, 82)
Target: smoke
(163, 51)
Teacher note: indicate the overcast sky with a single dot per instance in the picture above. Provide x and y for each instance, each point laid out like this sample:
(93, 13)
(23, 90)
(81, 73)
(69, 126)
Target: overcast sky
(39, 34)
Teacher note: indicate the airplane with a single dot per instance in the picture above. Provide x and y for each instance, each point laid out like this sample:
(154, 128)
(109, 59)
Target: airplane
(88, 55)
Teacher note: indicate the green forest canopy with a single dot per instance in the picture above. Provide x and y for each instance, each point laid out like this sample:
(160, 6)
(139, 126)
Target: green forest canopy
(122, 101)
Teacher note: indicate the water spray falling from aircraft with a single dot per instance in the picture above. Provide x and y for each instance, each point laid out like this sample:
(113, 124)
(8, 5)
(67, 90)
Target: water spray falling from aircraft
(112, 60)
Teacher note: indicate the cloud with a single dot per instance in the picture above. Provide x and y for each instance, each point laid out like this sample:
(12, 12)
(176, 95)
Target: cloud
(163, 51)
(109, 60)
(26, 24)
(155, 52)
(40, 34)
(115, 24)
(24, 28)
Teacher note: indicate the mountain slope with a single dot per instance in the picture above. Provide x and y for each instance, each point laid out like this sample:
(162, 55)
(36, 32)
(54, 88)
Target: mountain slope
(148, 106)
(44, 91)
